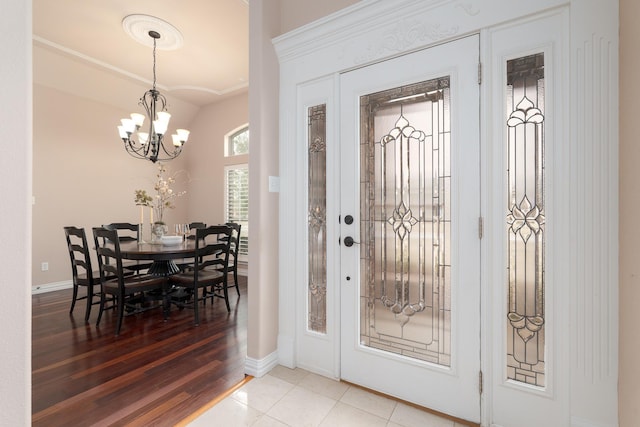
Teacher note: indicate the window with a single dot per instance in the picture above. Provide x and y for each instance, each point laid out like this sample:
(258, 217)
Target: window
(525, 220)
(317, 218)
(237, 142)
(236, 190)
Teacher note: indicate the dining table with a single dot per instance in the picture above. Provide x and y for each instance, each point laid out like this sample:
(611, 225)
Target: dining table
(163, 257)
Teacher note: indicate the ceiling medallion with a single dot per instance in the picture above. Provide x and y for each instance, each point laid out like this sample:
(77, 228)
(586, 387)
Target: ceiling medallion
(138, 26)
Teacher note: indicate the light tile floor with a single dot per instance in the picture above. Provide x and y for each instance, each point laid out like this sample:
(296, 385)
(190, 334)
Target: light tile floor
(294, 397)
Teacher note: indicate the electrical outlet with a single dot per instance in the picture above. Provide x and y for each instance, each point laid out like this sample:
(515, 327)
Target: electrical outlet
(45, 266)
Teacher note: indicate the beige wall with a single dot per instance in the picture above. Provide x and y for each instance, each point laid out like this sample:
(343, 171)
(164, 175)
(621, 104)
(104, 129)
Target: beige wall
(629, 368)
(263, 162)
(83, 177)
(205, 157)
(295, 13)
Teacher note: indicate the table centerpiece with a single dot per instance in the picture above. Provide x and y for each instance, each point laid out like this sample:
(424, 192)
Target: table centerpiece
(157, 205)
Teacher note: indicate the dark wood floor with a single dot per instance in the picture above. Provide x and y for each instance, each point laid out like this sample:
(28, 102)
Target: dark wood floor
(154, 373)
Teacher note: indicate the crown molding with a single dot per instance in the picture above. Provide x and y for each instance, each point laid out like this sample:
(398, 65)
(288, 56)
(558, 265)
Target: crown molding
(132, 76)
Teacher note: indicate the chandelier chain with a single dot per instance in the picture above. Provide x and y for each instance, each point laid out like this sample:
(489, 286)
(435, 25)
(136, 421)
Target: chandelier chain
(154, 63)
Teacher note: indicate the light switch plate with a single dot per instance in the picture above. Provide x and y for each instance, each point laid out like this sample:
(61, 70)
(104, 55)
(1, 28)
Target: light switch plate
(274, 184)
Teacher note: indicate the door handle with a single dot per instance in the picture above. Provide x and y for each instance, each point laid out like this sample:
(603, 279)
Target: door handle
(348, 241)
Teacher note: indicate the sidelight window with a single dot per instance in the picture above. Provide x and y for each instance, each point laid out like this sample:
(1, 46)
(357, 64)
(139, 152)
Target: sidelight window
(525, 220)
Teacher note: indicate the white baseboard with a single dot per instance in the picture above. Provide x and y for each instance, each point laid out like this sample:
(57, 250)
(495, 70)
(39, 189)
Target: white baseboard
(68, 284)
(50, 287)
(260, 367)
(581, 422)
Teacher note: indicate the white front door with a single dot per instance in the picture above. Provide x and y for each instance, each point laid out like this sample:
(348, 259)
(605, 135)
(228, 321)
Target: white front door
(410, 252)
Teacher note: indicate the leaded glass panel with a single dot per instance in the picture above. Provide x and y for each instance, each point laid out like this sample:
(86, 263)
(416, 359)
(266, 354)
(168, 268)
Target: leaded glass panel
(406, 221)
(317, 219)
(525, 219)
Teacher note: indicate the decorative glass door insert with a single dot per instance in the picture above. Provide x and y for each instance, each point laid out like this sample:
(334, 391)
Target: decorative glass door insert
(406, 221)
(525, 220)
(317, 219)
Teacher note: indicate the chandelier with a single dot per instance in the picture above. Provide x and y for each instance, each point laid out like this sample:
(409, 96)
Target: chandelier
(151, 144)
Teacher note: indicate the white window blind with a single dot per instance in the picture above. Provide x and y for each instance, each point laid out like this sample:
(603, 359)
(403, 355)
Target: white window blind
(236, 183)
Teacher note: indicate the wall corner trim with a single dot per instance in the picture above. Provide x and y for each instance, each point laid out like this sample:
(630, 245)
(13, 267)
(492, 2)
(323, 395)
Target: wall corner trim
(260, 367)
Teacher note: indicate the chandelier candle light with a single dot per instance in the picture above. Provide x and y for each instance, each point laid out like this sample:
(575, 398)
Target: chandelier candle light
(150, 145)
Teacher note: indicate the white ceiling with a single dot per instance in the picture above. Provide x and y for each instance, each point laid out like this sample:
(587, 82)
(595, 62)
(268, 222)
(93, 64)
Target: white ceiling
(87, 35)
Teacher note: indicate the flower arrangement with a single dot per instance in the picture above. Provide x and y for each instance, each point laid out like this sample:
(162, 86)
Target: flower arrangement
(163, 198)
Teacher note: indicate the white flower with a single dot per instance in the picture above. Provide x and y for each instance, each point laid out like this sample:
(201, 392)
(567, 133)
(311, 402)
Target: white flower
(164, 194)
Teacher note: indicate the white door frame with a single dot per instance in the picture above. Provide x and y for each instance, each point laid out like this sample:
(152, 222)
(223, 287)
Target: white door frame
(581, 263)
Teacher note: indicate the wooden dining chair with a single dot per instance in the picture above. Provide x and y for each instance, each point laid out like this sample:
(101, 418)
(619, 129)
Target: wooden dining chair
(209, 271)
(233, 254)
(195, 226)
(128, 232)
(83, 275)
(187, 263)
(113, 278)
(234, 238)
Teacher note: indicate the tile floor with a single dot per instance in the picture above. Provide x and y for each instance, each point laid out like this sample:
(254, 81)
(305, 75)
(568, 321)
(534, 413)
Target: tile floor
(294, 397)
